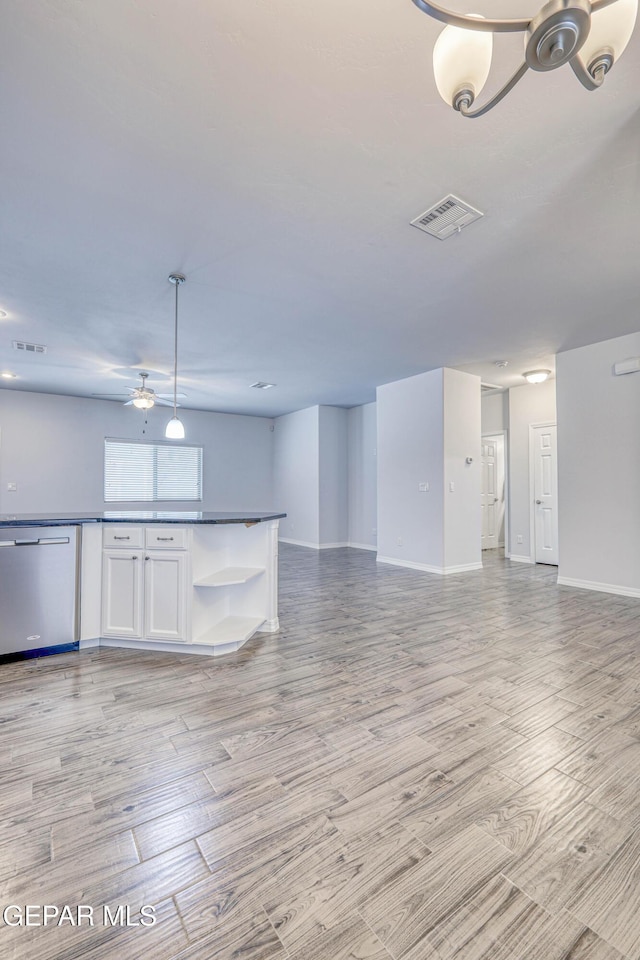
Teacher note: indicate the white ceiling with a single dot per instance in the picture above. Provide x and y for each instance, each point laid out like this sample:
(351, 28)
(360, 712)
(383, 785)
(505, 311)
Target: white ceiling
(274, 151)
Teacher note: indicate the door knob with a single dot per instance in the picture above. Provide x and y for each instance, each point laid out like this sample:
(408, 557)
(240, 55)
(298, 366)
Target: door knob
(495, 499)
(538, 501)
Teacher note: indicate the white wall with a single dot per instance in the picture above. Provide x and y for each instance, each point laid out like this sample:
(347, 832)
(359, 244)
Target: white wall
(495, 412)
(362, 469)
(427, 426)
(462, 515)
(334, 481)
(52, 447)
(529, 404)
(599, 467)
(410, 449)
(297, 475)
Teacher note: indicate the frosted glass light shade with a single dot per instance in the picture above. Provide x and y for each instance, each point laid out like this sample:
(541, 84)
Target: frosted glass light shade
(462, 60)
(143, 403)
(174, 430)
(536, 376)
(611, 29)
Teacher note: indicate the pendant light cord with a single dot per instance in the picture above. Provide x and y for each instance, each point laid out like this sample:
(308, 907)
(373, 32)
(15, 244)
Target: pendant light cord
(175, 359)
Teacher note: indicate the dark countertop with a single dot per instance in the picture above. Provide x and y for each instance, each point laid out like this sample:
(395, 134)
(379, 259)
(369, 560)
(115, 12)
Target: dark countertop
(132, 516)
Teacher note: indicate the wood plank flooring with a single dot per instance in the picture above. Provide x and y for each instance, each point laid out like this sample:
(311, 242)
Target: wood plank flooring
(413, 768)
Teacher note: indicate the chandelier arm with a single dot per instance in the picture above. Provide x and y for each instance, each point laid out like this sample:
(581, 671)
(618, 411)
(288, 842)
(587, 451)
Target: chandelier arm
(473, 23)
(500, 95)
(583, 75)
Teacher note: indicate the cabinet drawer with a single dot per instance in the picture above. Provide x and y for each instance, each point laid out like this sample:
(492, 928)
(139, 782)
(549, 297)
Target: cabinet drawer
(167, 538)
(125, 536)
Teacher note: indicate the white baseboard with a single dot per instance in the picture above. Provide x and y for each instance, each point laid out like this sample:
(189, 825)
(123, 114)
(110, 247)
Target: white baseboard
(90, 642)
(166, 646)
(600, 587)
(518, 559)
(315, 546)
(427, 568)
(362, 546)
(299, 543)
(270, 626)
(463, 568)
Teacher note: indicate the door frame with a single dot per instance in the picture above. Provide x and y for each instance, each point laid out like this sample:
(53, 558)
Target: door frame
(505, 437)
(532, 484)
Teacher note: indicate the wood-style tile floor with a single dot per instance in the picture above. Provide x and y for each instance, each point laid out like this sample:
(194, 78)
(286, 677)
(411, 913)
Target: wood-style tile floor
(415, 767)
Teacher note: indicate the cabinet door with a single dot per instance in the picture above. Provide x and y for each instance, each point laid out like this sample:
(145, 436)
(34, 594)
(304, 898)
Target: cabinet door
(122, 594)
(165, 590)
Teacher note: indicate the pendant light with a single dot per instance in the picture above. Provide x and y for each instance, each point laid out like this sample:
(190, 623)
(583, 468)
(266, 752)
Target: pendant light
(175, 427)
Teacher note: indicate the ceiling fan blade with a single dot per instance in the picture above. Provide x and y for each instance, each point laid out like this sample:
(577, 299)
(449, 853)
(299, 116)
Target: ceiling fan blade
(98, 395)
(164, 403)
(169, 396)
(128, 403)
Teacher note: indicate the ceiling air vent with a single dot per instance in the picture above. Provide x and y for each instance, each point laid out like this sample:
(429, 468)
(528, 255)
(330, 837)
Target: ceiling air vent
(488, 387)
(261, 385)
(447, 217)
(29, 347)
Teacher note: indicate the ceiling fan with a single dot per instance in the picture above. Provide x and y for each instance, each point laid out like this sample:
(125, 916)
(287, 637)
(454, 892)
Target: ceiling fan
(143, 397)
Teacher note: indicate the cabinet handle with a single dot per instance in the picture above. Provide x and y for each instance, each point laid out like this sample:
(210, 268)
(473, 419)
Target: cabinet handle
(134, 558)
(121, 538)
(147, 558)
(164, 538)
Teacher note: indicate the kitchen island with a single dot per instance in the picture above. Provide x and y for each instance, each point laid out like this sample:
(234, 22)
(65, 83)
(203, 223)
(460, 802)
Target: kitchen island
(179, 581)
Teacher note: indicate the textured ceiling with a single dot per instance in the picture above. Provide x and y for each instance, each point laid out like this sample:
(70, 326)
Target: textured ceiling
(275, 152)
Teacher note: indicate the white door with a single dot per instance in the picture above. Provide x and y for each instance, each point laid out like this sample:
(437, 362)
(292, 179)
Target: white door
(165, 591)
(545, 494)
(492, 491)
(122, 593)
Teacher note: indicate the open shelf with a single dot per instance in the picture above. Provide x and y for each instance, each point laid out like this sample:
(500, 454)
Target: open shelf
(230, 630)
(229, 576)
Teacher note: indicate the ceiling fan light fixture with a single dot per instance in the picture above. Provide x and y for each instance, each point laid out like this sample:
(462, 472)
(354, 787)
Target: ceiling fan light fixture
(589, 35)
(144, 402)
(537, 376)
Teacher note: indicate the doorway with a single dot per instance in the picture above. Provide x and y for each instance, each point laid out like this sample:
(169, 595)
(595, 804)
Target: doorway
(492, 492)
(544, 508)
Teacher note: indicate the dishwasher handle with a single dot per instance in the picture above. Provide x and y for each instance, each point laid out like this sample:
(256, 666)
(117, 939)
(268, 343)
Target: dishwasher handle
(42, 541)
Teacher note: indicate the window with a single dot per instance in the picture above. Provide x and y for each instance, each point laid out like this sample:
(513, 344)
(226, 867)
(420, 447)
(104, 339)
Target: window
(139, 471)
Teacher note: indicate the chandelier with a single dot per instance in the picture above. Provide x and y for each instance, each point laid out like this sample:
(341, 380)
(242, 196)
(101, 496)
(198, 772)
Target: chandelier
(589, 36)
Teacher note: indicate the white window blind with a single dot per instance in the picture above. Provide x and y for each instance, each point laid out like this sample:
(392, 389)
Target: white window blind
(139, 471)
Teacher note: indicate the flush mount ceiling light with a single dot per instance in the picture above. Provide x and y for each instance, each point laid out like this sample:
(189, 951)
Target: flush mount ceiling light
(8, 376)
(175, 428)
(3, 314)
(537, 376)
(589, 36)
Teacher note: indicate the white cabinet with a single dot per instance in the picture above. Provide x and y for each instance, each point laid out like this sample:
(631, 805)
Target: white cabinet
(206, 587)
(122, 613)
(145, 592)
(165, 595)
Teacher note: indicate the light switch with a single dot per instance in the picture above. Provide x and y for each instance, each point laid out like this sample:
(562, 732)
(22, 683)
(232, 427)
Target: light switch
(452, 486)
(12, 487)
(423, 487)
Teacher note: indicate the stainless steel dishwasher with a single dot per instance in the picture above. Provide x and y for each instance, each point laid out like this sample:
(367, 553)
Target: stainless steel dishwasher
(38, 588)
